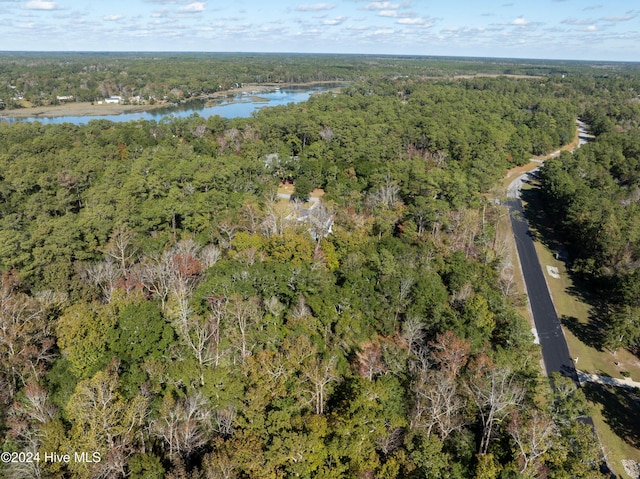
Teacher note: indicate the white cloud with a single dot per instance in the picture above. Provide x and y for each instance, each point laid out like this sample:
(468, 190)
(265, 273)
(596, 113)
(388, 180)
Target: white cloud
(358, 28)
(411, 21)
(167, 2)
(520, 22)
(335, 21)
(592, 28)
(113, 18)
(383, 31)
(622, 18)
(194, 7)
(382, 6)
(388, 13)
(316, 7)
(576, 21)
(41, 5)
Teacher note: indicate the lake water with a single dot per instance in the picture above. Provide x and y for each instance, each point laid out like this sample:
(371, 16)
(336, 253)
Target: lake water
(240, 106)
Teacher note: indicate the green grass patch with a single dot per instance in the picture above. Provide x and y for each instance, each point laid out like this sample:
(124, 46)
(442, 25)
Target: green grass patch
(578, 310)
(617, 421)
(616, 410)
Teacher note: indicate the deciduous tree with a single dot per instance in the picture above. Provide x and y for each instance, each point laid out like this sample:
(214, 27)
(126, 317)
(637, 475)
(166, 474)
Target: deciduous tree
(496, 391)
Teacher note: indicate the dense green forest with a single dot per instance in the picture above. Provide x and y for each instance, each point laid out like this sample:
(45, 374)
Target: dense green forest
(162, 307)
(592, 196)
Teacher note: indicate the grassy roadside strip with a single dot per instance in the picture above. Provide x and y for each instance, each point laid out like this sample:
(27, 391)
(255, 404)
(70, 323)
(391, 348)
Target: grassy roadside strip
(616, 412)
(505, 226)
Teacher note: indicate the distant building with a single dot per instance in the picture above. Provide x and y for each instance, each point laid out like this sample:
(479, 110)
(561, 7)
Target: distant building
(137, 100)
(64, 98)
(314, 214)
(272, 160)
(113, 99)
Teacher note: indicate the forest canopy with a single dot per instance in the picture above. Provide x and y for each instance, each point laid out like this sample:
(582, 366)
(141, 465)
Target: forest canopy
(163, 307)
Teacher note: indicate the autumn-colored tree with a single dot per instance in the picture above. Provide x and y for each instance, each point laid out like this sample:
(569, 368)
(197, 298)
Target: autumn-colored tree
(29, 422)
(533, 434)
(103, 421)
(450, 353)
(26, 338)
(370, 362)
(82, 337)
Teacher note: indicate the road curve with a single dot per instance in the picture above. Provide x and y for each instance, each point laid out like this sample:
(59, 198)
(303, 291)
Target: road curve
(555, 352)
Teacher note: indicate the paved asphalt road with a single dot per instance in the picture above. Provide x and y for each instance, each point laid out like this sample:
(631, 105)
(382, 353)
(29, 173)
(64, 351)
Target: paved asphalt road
(555, 352)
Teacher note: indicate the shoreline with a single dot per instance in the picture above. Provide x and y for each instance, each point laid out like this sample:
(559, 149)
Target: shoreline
(93, 109)
(75, 109)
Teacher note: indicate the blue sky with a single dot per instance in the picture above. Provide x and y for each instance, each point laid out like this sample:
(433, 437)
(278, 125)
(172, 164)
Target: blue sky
(556, 29)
